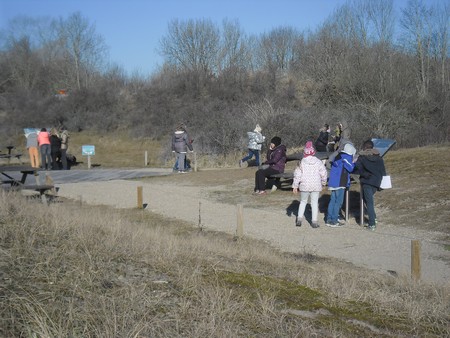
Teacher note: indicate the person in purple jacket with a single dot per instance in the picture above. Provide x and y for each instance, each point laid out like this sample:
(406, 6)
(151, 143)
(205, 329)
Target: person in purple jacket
(275, 164)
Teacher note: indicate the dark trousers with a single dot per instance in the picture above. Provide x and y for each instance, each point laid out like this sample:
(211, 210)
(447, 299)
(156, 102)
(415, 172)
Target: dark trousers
(368, 192)
(260, 177)
(64, 158)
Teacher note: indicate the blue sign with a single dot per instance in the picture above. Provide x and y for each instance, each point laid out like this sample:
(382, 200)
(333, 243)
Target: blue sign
(383, 145)
(87, 150)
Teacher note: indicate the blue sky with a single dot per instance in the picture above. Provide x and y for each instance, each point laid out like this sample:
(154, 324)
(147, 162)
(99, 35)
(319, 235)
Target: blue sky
(132, 29)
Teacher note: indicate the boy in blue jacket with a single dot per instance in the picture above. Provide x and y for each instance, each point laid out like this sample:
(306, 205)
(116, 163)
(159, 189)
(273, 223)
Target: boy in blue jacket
(339, 180)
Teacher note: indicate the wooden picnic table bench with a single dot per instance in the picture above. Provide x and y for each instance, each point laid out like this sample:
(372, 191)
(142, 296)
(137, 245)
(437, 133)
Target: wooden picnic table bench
(9, 155)
(12, 183)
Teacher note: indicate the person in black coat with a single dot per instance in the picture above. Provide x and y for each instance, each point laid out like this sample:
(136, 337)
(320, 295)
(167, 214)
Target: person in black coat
(55, 148)
(322, 141)
(370, 167)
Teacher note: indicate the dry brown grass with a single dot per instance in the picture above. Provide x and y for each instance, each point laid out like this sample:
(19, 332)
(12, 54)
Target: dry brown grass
(68, 270)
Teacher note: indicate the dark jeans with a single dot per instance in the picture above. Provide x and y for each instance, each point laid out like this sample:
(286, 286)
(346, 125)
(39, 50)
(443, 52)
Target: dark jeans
(260, 177)
(64, 158)
(251, 153)
(368, 192)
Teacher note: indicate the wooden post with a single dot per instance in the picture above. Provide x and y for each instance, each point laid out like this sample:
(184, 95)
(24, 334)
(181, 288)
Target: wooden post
(195, 161)
(346, 204)
(240, 221)
(415, 260)
(140, 202)
(145, 159)
(89, 161)
(361, 205)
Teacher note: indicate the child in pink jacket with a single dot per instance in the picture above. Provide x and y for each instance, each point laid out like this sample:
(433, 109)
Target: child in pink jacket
(310, 176)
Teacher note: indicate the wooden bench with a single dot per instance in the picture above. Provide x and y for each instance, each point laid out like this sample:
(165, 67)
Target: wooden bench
(283, 178)
(44, 190)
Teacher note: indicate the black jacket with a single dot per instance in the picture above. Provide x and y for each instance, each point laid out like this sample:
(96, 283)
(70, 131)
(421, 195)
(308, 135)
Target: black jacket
(370, 167)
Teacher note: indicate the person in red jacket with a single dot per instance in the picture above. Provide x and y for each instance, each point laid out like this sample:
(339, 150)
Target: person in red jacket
(44, 148)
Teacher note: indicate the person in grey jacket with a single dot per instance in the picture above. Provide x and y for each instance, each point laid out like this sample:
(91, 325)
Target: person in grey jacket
(255, 140)
(64, 145)
(180, 145)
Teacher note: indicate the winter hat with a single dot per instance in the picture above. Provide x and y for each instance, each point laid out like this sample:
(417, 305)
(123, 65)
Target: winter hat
(258, 128)
(309, 149)
(349, 149)
(276, 140)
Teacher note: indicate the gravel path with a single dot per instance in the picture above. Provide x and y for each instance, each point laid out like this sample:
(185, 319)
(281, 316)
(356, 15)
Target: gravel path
(388, 249)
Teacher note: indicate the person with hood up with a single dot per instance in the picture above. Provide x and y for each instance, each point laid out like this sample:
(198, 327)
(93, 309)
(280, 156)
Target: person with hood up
(370, 167)
(255, 140)
(310, 176)
(275, 164)
(180, 145)
(339, 180)
(322, 141)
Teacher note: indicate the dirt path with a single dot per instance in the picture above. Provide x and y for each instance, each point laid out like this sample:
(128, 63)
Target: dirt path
(387, 249)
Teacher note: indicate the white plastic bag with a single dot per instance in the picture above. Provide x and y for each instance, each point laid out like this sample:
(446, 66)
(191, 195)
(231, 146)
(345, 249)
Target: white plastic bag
(386, 182)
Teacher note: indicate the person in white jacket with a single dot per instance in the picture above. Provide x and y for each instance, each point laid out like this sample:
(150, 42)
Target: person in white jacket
(255, 141)
(310, 176)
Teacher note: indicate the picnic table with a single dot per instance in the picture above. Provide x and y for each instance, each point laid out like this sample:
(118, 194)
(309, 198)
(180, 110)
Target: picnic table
(9, 155)
(10, 181)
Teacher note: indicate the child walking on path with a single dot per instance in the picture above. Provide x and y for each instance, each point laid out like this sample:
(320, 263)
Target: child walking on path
(255, 140)
(310, 176)
(370, 167)
(341, 167)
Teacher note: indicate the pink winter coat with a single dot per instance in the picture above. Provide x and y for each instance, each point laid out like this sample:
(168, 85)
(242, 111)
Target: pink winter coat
(310, 174)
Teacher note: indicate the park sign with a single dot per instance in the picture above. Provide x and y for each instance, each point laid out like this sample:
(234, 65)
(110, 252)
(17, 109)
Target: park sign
(87, 150)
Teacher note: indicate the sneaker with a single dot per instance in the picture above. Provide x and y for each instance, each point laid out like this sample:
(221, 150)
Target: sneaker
(274, 188)
(371, 227)
(341, 221)
(256, 192)
(262, 192)
(298, 222)
(332, 224)
(314, 225)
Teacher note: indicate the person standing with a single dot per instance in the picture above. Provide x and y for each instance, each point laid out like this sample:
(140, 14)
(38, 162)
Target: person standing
(310, 176)
(339, 180)
(371, 169)
(255, 140)
(276, 162)
(322, 141)
(180, 145)
(55, 148)
(64, 147)
(32, 146)
(44, 148)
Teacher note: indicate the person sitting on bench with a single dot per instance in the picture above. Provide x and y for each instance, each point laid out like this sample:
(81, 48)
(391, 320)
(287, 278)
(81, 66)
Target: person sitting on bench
(275, 164)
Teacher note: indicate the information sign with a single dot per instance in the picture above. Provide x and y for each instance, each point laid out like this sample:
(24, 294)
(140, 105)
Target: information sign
(87, 150)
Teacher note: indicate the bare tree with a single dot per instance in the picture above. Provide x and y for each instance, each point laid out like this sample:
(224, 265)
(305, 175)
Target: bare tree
(192, 46)
(84, 50)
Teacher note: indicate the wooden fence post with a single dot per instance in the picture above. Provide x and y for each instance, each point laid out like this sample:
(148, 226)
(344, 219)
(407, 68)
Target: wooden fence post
(240, 221)
(140, 202)
(195, 161)
(145, 159)
(415, 260)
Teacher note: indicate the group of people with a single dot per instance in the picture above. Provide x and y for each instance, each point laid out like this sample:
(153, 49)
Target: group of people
(52, 146)
(311, 175)
(327, 143)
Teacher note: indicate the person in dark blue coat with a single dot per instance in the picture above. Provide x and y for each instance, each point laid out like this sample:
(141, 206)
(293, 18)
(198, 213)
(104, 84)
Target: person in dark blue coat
(370, 167)
(341, 167)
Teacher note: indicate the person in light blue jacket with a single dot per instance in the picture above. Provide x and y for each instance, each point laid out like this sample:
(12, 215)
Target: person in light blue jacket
(339, 180)
(255, 140)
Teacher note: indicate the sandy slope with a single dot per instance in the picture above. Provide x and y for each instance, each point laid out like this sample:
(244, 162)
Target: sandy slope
(387, 249)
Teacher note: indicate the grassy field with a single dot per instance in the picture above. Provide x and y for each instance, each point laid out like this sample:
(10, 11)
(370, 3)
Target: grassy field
(69, 271)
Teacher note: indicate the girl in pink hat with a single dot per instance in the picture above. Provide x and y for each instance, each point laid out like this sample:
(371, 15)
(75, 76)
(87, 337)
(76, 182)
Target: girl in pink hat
(310, 176)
